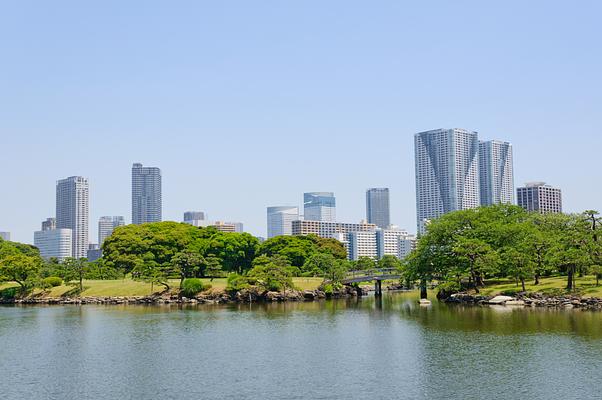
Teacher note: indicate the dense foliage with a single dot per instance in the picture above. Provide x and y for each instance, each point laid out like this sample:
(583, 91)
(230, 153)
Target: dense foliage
(464, 248)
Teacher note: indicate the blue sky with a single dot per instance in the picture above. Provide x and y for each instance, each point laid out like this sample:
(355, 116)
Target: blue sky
(247, 104)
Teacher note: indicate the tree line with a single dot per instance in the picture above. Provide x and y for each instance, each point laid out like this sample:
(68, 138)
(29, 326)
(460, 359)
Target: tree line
(462, 249)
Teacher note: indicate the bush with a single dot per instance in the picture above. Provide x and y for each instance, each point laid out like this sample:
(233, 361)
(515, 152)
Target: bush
(9, 293)
(509, 292)
(192, 286)
(237, 282)
(51, 281)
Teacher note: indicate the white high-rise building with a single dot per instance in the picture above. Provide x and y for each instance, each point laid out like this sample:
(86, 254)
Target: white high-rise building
(496, 176)
(362, 244)
(53, 242)
(319, 206)
(280, 220)
(447, 173)
(146, 194)
(106, 225)
(72, 211)
(5, 236)
(539, 197)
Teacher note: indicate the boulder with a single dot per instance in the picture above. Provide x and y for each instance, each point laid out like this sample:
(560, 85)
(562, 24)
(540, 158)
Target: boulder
(500, 299)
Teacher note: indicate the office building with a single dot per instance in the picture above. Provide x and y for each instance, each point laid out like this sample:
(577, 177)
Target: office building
(377, 207)
(227, 226)
(329, 229)
(94, 252)
(361, 244)
(57, 243)
(106, 225)
(496, 176)
(319, 206)
(191, 216)
(447, 173)
(280, 220)
(72, 211)
(5, 236)
(539, 197)
(146, 194)
(49, 224)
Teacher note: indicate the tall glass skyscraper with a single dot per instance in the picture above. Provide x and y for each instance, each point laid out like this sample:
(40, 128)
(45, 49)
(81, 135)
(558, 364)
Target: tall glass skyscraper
(447, 173)
(106, 225)
(280, 220)
(72, 210)
(377, 207)
(496, 176)
(146, 194)
(319, 206)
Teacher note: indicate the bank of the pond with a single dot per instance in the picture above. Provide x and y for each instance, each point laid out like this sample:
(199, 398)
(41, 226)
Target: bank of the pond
(528, 299)
(214, 296)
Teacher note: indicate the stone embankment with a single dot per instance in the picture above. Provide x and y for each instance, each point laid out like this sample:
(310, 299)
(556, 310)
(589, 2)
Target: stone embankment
(529, 300)
(214, 297)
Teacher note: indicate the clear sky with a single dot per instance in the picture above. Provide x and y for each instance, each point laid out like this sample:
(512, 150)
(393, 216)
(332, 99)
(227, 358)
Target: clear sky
(247, 104)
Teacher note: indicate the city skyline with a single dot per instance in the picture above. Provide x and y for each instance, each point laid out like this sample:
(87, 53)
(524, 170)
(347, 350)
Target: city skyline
(346, 97)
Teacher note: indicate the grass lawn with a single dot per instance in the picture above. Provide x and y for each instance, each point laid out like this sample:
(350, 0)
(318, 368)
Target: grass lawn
(129, 287)
(586, 286)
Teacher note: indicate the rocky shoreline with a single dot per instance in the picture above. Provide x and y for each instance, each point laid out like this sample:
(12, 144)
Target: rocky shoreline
(251, 295)
(528, 300)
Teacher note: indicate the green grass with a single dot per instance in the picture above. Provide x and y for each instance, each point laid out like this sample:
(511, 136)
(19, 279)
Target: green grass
(585, 286)
(129, 287)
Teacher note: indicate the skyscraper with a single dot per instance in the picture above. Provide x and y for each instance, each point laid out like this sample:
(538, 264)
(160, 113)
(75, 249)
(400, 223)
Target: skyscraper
(5, 236)
(447, 177)
(537, 196)
(194, 216)
(377, 207)
(56, 243)
(106, 225)
(280, 220)
(319, 206)
(496, 176)
(146, 194)
(49, 224)
(72, 211)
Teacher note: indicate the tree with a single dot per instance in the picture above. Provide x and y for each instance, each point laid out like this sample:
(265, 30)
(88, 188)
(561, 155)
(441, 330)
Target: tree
(389, 261)
(186, 264)
(317, 264)
(364, 264)
(75, 270)
(212, 267)
(335, 272)
(520, 265)
(20, 268)
(272, 274)
(479, 257)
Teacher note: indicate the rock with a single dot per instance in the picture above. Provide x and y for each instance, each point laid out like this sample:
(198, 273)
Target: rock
(514, 303)
(424, 302)
(500, 299)
(309, 295)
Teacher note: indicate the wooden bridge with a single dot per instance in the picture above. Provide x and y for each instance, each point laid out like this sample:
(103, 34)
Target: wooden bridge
(377, 275)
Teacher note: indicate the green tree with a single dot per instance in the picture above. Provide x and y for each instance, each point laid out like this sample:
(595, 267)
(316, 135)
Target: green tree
(186, 264)
(480, 258)
(75, 270)
(273, 274)
(20, 268)
(317, 264)
(335, 272)
(389, 261)
(212, 267)
(364, 264)
(520, 265)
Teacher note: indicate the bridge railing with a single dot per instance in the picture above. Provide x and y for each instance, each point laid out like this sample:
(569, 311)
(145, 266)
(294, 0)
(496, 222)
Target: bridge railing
(371, 272)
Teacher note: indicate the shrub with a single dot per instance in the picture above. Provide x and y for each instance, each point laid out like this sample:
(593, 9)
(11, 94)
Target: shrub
(509, 292)
(192, 286)
(237, 282)
(51, 281)
(9, 293)
(328, 289)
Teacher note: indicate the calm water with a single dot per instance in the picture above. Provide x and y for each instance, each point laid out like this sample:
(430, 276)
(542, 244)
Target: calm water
(329, 350)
